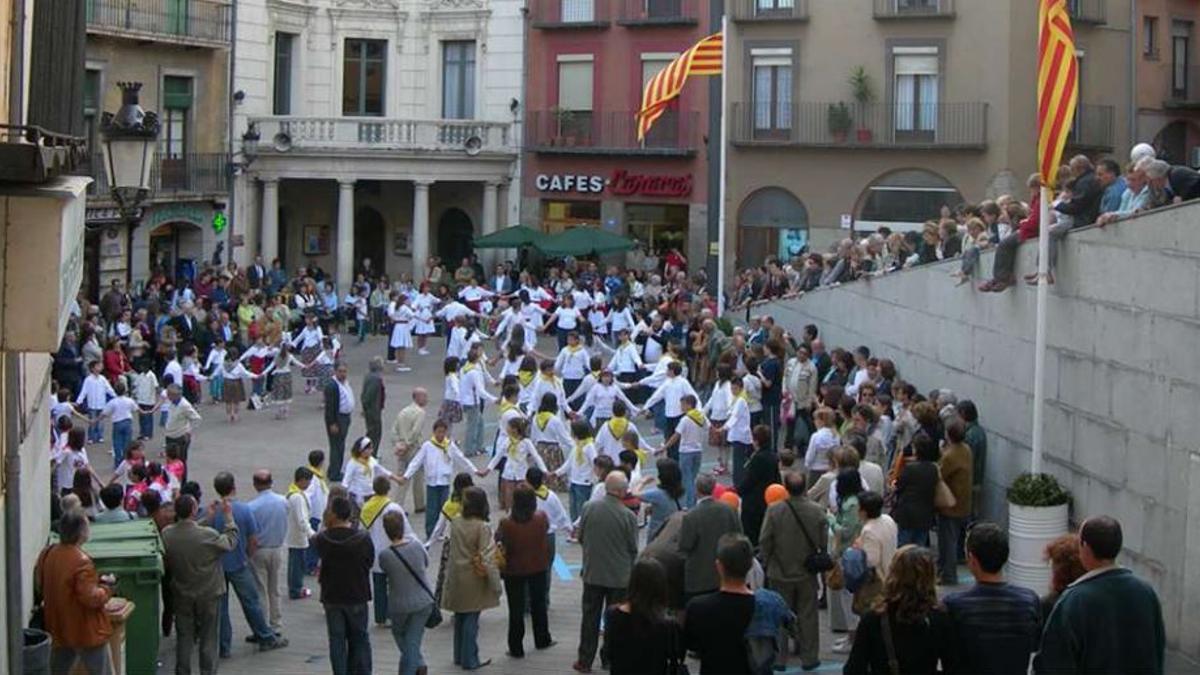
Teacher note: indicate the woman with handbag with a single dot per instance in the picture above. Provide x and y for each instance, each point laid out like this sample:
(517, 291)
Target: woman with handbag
(845, 527)
(410, 600)
(954, 499)
(522, 537)
(909, 630)
(472, 577)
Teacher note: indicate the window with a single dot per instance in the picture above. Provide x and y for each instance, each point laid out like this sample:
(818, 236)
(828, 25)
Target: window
(1181, 38)
(1150, 36)
(559, 216)
(665, 131)
(904, 200)
(575, 96)
(916, 94)
(91, 113)
(177, 101)
(917, 6)
(658, 227)
(362, 77)
(284, 42)
(771, 222)
(772, 94)
(578, 11)
(458, 80)
(770, 7)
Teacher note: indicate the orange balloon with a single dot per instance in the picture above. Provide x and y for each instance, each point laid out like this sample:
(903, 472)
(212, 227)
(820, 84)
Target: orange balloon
(775, 493)
(730, 497)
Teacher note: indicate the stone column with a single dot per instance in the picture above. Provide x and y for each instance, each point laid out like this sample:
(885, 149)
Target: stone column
(420, 228)
(345, 236)
(490, 188)
(268, 244)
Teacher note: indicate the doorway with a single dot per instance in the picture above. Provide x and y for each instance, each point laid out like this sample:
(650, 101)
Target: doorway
(456, 237)
(369, 235)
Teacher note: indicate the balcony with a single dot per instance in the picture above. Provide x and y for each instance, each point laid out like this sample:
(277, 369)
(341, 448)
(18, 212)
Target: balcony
(570, 14)
(675, 134)
(194, 23)
(653, 13)
(913, 9)
(1093, 128)
(1088, 11)
(192, 175)
(875, 126)
(768, 10)
(289, 134)
(1183, 88)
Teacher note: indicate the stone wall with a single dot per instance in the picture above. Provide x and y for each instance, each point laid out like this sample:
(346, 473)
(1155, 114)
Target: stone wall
(1122, 416)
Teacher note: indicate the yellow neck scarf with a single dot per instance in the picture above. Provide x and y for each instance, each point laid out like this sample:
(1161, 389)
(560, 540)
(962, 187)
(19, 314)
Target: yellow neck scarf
(596, 374)
(549, 378)
(505, 406)
(643, 457)
(294, 489)
(618, 426)
(452, 509)
(372, 508)
(319, 475)
(365, 461)
(543, 419)
(524, 377)
(744, 396)
(513, 443)
(443, 445)
(467, 368)
(542, 492)
(580, 444)
(697, 416)
(574, 349)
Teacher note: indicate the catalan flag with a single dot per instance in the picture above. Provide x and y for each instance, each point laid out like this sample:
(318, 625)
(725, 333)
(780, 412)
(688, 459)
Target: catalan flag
(703, 58)
(1058, 85)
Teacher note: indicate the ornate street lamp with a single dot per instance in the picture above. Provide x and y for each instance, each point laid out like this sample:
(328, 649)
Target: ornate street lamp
(130, 138)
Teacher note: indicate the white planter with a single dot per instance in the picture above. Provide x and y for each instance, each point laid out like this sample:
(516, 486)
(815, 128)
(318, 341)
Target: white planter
(1030, 529)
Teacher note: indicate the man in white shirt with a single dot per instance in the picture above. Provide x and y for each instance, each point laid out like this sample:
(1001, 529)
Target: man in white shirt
(671, 393)
(299, 531)
(181, 416)
(339, 407)
(688, 442)
(473, 394)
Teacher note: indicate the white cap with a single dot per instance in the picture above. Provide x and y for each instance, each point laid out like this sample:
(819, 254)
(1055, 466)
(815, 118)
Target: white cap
(1140, 151)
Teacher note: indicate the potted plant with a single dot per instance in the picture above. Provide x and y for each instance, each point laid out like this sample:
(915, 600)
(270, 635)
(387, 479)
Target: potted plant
(839, 121)
(1037, 515)
(864, 94)
(562, 126)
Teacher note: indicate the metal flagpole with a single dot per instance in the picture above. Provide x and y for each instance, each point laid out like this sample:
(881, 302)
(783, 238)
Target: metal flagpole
(1039, 349)
(724, 152)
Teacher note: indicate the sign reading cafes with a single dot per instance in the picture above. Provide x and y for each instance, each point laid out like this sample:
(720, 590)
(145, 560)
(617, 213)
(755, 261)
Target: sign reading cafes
(621, 184)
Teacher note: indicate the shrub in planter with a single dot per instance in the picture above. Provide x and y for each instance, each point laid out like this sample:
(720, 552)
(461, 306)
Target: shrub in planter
(1037, 489)
(1037, 515)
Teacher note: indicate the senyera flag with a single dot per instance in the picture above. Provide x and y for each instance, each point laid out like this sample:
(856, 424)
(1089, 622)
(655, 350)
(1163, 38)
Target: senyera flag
(703, 58)
(1058, 85)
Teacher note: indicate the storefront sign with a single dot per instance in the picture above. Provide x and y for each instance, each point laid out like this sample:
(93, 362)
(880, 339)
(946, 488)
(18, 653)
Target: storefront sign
(621, 184)
(569, 183)
(178, 213)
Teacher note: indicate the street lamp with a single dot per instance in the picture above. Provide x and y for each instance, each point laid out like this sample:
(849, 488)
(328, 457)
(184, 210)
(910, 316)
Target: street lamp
(130, 138)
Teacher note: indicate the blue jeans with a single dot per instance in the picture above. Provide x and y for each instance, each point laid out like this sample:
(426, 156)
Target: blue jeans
(146, 425)
(920, 537)
(311, 559)
(349, 643)
(408, 629)
(473, 439)
(95, 431)
(242, 584)
(466, 639)
(379, 599)
(579, 496)
(435, 499)
(295, 571)
(122, 434)
(216, 387)
(689, 464)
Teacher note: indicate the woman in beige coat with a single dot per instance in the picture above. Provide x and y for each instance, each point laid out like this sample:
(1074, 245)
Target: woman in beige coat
(472, 578)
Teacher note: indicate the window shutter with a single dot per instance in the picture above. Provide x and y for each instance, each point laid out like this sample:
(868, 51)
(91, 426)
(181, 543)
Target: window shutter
(575, 85)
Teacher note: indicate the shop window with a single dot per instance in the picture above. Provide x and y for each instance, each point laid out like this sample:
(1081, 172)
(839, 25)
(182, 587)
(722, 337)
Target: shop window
(904, 200)
(558, 216)
(659, 227)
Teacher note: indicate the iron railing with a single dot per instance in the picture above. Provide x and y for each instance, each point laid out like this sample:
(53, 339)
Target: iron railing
(658, 12)
(199, 22)
(1093, 127)
(585, 132)
(768, 10)
(873, 125)
(1088, 11)
(194, 173)
(570, 13)
(282, 133)
(914, 9)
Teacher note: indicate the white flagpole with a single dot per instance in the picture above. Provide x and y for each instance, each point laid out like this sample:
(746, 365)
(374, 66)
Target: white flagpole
(724, 152)
(1039, 350)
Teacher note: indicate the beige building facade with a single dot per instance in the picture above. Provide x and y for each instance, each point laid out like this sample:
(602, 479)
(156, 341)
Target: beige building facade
(943, 111)
(1168, 78)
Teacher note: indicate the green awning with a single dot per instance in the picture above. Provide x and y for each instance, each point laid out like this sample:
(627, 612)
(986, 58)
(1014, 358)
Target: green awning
(510, 237)
(582, 241)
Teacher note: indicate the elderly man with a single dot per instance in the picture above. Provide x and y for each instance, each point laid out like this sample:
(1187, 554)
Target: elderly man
(193, 553)
(1134, 198)
(608, 534)
(74, 599)
(373, 399)
(1086, 193)
(407, 437)
(181, 417)
(339, 406)
(1109, 173)
(270, 512)
(702, 526)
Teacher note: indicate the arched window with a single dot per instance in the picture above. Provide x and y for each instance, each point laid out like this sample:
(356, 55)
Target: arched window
(903, 200)
(771, 221)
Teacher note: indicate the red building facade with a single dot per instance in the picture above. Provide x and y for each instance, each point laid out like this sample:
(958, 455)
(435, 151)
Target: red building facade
(587, 61)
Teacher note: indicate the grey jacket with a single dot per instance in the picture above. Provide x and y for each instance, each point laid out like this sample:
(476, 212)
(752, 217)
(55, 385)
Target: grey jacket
(698, 535)
(608, 534)
(784, 546)
(406, 593)
(193, 556)
(371, 397)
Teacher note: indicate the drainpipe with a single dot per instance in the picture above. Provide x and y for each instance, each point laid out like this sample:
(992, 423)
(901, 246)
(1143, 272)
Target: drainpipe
(13, 583)
(16, 68)
(1134, 31)
(230, 179)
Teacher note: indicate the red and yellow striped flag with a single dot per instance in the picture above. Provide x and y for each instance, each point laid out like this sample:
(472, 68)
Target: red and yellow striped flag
(1058, 85)
(704, 58)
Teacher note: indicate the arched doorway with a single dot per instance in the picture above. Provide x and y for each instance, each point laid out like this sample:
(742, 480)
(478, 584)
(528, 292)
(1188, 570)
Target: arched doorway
(903, 200)
(177, 248)
(370, 234)
(771, 222)
(455, 237)
(1175, 142)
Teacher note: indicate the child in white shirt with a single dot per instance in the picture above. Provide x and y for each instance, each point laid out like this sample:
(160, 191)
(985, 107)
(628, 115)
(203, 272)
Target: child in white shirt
(93, 395)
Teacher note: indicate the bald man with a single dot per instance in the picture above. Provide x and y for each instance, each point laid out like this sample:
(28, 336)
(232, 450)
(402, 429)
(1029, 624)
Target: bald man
(608, 535)
(408, 433)
(269, 560)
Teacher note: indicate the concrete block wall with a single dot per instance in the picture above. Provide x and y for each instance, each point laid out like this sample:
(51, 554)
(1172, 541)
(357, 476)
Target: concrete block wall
(1122, 423)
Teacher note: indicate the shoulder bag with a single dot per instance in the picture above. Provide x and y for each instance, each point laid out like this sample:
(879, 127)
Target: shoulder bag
(943, 497)
(676, 655)
(435, 617)
(817, 562)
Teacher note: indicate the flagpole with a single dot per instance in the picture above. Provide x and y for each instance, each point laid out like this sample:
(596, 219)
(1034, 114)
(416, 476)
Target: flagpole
(723, 160)
(1039, 349)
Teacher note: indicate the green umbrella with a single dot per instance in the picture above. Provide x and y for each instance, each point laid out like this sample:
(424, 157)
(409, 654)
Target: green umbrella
(510, 237)
(582, 241)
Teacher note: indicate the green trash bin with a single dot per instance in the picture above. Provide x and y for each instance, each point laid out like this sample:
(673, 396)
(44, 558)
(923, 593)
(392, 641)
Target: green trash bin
(142, 528)
(138, 566)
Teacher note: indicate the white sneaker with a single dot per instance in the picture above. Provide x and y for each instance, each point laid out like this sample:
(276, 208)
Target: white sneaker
(842, 645)
(423, 352)
(403, 369)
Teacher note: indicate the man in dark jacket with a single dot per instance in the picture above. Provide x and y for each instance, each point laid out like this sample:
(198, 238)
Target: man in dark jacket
(373, 400)
(1184, 182)
(1086, 193)
(608, 535)
(346, 558)
(1107, 621)
(702, 527)
(339, 405)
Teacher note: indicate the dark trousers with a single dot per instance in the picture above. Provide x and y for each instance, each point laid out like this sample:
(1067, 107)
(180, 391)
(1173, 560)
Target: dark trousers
(741, 452)
(379, 597)
(1006, 258)
(949, 530)
(801, 598)
(595, 600)
(668, 429)
(296, 566)
(533, 587)
(337, 447)
(374, 430)
(349, 643)
(569, 386)
(771, 419)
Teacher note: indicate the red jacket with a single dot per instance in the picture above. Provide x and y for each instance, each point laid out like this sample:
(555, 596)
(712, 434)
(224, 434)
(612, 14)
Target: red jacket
(1028, 228)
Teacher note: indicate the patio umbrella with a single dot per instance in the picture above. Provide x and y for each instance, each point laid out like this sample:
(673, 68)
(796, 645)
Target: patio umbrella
(510, 237)
(582, 241)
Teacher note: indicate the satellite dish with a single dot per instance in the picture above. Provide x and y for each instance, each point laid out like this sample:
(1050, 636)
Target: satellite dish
(473, 145)
(283, 142)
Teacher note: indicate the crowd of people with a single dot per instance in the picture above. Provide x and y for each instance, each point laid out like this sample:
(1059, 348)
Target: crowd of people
(1086, 193)
(832, 472)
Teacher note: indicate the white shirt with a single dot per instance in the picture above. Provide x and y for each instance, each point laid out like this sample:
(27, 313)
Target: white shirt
(691, 435)
(175, 371)
(474, 293)
(555, 513)
(738, 424)
(500, 440)
(579, 469)
(555, 432)
(471, 386)
(601, 398)
(380, 539)
(620, 320)
(66, 462)
(358, 479)
(299, 528)
(310, 336)
(120, 409)
(318, 495)
(450, 393)
(345, 397)
(454, 309)
(214, 365)
(145, 388)
(607, 443)
(95, 392)
(670, 392)
(567, 318)
(438, 463)
(625, 359)
(753, 388)
(541, 386)
(519, 458)
(823, 442)
(719, 402)
(572, 364)
(459, 344)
